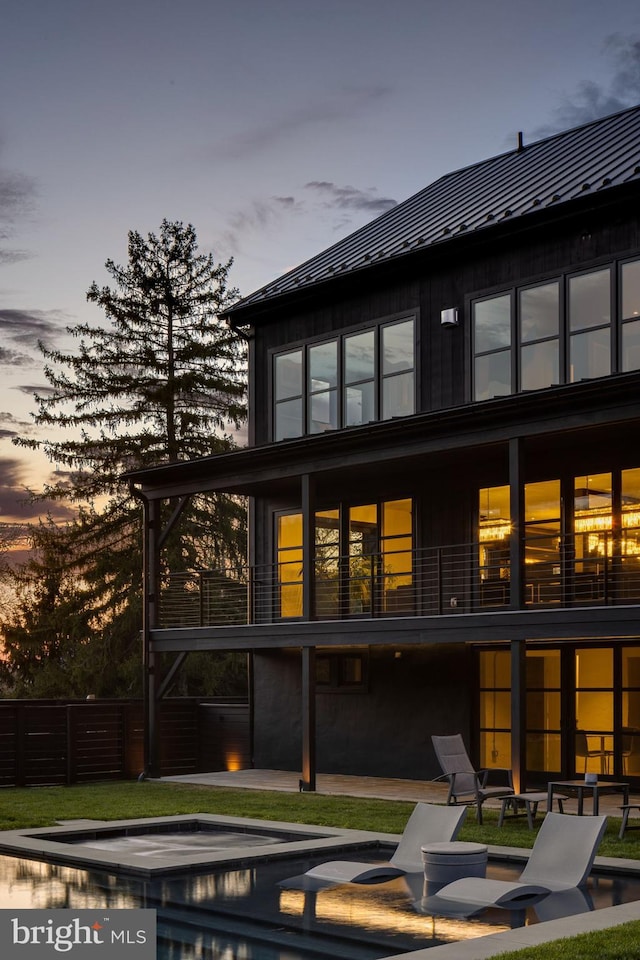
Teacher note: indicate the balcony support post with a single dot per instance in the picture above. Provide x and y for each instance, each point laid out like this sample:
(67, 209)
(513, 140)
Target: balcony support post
(308, 546)
(518, 713)
(150, 605)
(308, 781)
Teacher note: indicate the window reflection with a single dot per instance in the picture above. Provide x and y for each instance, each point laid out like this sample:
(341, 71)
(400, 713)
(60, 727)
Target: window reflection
(539, 312)
(540, 365)
(493, 376)
(359, 374)
(630, 281)
(398, 393)
(590, 300)
(492, 324)
(345, 382)
(288, 395)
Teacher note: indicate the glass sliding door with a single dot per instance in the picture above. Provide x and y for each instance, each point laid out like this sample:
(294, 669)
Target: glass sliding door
(289, 564)
(629, 572)
(593, 540)
(494, 530)
(542, 542)
(495, 708)
(327, 565)
(594, 710)
(544, 718)
(630, 733)
(396, 586)
(363, 557)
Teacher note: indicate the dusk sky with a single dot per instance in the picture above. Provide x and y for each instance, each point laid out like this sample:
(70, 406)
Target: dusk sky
(276, 127)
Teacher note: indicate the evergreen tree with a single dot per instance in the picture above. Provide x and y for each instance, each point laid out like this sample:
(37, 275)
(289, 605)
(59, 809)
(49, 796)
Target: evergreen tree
(163, 381)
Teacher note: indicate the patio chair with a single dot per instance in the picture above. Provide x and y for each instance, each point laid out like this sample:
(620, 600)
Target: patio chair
(630, 750)
(586, 752)
(428, 823)
(561, 860)
(464, 780)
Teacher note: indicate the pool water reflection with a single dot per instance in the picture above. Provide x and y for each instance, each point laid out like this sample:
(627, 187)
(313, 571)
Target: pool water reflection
(241, 913)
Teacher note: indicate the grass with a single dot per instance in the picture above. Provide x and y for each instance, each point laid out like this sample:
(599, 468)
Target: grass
(616, 943)
(43, 806)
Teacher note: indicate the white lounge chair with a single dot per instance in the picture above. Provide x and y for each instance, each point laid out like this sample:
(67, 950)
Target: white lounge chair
(561, 860)
(429, 823)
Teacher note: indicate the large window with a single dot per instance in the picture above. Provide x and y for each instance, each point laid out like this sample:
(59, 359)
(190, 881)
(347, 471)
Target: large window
(564, 330)
(363, 561)
(580, 546)
(345, 381)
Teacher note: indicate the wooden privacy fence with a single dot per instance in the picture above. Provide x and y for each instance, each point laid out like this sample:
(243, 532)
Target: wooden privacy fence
(55, 743)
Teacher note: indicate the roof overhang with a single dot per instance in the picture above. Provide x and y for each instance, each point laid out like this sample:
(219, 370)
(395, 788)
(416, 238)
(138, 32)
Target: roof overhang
(252, 470)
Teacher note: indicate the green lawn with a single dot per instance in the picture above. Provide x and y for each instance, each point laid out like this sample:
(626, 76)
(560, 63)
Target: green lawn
(43, 806)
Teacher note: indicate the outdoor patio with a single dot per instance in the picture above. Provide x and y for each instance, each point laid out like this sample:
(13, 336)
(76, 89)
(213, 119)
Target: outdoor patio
(383, 788)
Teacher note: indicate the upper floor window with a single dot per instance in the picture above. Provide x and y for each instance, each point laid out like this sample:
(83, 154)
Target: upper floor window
(561, 331)
(345, 381)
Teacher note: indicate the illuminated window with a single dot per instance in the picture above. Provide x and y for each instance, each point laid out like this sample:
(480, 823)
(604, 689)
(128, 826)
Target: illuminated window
(494, 530)
(290, 570)
(542, 542)
(370, 574)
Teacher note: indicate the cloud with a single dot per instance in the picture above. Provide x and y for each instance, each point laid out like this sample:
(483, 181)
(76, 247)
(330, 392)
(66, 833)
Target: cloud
(15, 497)
(255, 218)
(320, 197)
(350, 198)
(11, 358)
(17, 194)
(336, 107)
(25, 326)
(20, 333)
(591, 100)
(11, 427)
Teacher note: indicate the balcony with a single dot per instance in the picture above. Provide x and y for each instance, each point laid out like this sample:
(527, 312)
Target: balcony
(457, 579)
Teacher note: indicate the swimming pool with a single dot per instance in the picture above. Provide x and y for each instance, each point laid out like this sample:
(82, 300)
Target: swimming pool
(236, 910)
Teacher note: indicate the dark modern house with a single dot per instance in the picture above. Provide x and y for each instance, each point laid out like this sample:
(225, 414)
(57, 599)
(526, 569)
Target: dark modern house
(443, 479)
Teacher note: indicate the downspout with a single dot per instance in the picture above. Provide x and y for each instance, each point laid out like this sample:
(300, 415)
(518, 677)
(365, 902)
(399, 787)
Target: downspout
(147, 659)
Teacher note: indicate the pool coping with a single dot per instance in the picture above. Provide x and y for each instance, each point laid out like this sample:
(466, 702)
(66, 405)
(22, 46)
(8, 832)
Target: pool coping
(40, 843)
(36, 844)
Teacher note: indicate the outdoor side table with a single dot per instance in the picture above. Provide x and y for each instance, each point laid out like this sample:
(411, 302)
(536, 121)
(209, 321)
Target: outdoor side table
(581, 787)
(530, 802)
(452, 860)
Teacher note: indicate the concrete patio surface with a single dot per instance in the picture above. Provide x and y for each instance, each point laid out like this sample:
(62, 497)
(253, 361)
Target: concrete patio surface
(384, 788)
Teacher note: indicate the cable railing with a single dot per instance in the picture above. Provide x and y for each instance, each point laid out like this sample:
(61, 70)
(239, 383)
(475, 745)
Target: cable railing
(452, 579)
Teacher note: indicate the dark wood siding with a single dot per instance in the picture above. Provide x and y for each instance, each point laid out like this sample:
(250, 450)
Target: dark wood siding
(384, 731)
(430, 284)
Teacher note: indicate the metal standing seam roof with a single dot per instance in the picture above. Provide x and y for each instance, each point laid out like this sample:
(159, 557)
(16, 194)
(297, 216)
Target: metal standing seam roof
(579, 162)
